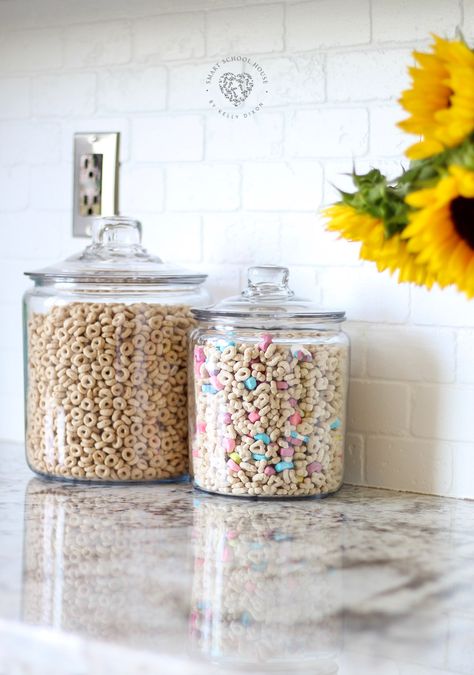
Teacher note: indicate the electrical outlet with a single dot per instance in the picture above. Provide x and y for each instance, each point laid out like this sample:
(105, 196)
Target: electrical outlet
(95, 179)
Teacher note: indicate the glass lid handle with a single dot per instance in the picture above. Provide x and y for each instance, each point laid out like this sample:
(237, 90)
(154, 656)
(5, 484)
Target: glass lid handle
(115, 232)
(268, 282)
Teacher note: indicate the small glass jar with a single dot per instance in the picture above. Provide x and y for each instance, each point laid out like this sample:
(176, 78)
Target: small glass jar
(269, 377)
(106, 339)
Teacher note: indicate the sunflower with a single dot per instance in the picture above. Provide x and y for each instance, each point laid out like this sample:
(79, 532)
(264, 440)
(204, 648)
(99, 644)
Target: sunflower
(441, 100)
(388, 253)
(441, 229)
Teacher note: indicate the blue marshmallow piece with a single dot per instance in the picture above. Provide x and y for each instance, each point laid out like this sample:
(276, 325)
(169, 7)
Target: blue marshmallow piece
(250, 383)
(281, 466)
(263, 437)
(336, 424)
(257, 457)
(208, 389)
(222, 344)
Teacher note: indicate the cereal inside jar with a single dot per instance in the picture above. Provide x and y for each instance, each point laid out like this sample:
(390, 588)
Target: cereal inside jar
(269, 375)
(106, 336)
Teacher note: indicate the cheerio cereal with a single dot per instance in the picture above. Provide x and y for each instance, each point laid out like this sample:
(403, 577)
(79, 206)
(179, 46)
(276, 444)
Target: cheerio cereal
(106, 358)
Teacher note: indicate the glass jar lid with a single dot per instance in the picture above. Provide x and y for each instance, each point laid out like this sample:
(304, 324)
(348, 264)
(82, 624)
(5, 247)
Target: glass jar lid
(117, 256)
(268, 297)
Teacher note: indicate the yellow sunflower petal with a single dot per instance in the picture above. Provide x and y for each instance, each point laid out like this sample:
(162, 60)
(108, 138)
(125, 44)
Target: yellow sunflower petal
(441, 100)
(441, 234)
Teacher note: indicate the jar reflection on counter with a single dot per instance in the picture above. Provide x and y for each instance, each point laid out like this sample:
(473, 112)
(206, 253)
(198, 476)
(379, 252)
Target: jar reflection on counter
(107, 566)
(264, 594)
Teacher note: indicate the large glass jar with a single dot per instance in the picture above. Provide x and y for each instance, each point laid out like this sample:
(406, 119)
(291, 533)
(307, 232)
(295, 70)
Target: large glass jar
(269, 376)
(106, 337)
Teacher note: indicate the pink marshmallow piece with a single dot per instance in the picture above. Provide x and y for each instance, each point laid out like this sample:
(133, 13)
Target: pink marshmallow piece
(254, 416)
(199, 355)
(229, 444)
(233, 466)
(269, 471)
(282, 385)
(265, 342)
(232, 534)
(295, 418)
(201, 427)
(314, 467)
(287, 452)
(216, 383)
(226, 554)
(196, 452)
(227, 418)
(294, 441)
(293, 402)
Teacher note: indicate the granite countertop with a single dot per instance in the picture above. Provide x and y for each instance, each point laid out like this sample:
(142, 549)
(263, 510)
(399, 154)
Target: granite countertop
(164, 579)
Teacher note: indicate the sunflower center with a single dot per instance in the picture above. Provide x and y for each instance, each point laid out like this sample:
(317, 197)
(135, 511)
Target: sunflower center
(462, 213)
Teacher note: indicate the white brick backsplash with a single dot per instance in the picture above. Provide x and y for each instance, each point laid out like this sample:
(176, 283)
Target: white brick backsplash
(468, 20)
(51, 188)
(443, 412)
(11, 416)
(132, 90)
(328, 133)
(288, 186)
(29, 142)
(259, 137)
(15, 97)
(168, 139)
(358, 339)
(299, 236)
(447, 307)
(14, 183)
(303, 282)
(142, 189)
(365, 294)
(410, 354)
(243, 239)
(354, 459)
(218, 195)
(97, 44)
(224, 280)
(399, 20)
(385, 137)
(30, 50)
(187, 89)
(378, 407)
(421, 466)
(465, 356)
(463, 470)
(11, 335)
(384, 74)
(203, 187)
(44, 232)
(56, 95)
(169, 37)
(327, 23)
(291, 77)
(174, 237)
(245, 30)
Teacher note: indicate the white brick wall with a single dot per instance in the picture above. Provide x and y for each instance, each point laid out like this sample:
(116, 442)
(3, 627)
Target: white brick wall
(219, 195)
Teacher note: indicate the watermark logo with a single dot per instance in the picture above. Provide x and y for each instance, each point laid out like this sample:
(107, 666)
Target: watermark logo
(237, 87)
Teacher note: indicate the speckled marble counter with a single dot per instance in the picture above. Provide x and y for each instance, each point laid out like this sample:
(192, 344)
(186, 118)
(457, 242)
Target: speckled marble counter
(161, 579)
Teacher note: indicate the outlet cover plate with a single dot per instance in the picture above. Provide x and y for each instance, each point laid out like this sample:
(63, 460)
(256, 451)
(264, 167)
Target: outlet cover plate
(95, 179)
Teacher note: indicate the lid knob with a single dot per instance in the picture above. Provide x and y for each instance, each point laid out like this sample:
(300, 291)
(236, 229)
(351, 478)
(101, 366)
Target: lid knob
(268, 282)
(116, 232)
